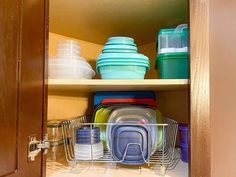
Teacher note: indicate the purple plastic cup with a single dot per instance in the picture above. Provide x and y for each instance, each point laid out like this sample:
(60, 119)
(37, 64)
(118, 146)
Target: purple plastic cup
(183, 134)
(184, 152)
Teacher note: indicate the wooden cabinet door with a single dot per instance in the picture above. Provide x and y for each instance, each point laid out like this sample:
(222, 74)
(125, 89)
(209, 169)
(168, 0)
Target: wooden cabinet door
(22, 81)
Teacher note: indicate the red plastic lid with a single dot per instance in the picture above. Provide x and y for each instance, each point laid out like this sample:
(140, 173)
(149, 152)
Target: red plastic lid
(146, 101)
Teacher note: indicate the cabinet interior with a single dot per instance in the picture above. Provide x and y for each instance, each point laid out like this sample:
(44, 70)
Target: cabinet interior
(91, 23)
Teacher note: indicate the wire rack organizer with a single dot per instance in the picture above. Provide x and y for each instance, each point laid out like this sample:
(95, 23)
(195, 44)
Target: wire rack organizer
(164, 158)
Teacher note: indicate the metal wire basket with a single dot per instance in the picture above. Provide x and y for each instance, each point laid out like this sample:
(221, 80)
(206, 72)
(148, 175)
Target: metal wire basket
(165, 157)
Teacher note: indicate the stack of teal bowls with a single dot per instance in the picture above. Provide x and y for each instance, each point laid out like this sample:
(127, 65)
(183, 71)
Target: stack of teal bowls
(120, 60)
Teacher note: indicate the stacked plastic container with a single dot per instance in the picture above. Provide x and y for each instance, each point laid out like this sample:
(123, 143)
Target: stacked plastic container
(184, 141)
(129, 135)
(173, 56)
(88, 145)
(120, 60)
(68, 64)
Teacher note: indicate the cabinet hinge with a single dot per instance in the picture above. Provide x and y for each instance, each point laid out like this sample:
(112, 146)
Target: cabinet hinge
(36, 146)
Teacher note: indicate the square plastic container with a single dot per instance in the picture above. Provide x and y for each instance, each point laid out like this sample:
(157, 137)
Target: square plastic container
(183, 134)
(122, 72)
(184, 152)
(130, 144)
(173, 39)
(173, 65)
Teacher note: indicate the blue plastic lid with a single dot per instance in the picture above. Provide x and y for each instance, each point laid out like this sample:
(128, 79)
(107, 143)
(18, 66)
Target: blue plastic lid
(183, 127)
(87, 130)
(87, 141)
(137, 137)
(99, 96)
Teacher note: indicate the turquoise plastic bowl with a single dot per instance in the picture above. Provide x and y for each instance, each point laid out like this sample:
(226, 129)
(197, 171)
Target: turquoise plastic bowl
(121, 43)
(147, 65)
(119, 49)
(121, 40)
(122, 56)
(122, 72)
(122, 61)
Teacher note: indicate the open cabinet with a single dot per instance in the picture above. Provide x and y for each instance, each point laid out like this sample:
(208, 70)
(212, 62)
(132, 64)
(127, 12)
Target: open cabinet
(70, 98)
(29, 99)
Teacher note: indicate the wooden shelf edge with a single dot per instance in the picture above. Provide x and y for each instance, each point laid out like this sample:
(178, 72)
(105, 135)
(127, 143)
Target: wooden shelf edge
(117, 85)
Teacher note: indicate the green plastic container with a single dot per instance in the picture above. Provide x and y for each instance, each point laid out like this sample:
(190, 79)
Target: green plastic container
(173, 65)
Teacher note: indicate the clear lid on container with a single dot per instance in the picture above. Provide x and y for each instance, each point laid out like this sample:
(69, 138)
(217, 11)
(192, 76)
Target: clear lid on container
(131, 144)
(135, 114)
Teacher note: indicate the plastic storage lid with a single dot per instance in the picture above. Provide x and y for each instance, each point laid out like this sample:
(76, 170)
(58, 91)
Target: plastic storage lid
(118, 51)
(126, 61)
(123, 61)
(172, 31)
(169, 56)
(137, 137)
(146, 101)
(120, 38)
(135, 114)
(101, 95)
(120, 47)
(88, 130)
(122, 55)
(183, 127)
(130, 64)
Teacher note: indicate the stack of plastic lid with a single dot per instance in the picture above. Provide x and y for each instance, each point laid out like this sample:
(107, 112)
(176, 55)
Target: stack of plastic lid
(120, 60)
(173, 56)
(68, 64)
(184, 141)
(88, 145)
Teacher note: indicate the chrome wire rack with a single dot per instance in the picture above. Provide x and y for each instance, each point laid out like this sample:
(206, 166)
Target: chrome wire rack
(164, 158)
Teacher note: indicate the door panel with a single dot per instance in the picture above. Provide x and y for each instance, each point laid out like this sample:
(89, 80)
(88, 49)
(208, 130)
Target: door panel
(22, 107)
(9, 22)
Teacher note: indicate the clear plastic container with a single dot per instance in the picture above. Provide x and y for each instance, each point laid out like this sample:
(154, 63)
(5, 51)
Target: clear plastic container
(56, 152)
(138, 115)
(54, 130)
(75, 62)
(68, 48)
(173, 39)
(70, 69)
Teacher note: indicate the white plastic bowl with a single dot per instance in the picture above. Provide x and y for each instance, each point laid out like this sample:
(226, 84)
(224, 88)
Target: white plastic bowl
(73, 62)
(57, 71)
(70, 69)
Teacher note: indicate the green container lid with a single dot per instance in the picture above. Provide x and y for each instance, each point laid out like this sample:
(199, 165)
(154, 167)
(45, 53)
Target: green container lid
(169, 56)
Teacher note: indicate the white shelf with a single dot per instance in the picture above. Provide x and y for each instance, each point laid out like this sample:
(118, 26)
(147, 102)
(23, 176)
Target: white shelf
(117, 85)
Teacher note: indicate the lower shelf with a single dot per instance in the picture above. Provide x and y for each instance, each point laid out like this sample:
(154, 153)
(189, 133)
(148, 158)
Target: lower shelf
(55, 169)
